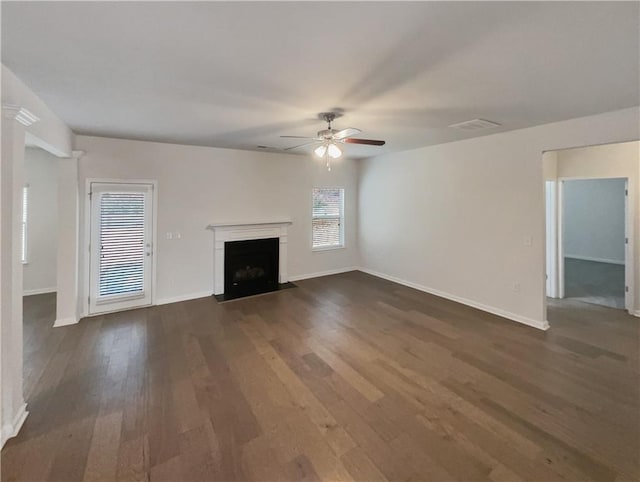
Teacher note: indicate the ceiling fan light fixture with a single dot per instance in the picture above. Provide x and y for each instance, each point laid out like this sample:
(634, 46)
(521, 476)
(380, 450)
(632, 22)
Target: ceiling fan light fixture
(334, 151)
(327, 140)
(320, 151)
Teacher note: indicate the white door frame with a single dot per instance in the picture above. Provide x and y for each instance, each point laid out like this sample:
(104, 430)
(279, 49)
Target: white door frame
(629, 226)
(560, 235)
(551, 223)
(86, 255)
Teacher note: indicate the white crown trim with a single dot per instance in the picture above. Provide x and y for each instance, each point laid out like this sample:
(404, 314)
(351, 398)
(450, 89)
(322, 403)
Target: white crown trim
(22, 115)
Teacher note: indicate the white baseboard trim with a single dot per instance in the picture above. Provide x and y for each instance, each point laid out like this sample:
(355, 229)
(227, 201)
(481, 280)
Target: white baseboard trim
(39, 291)
(12, 429)
(541, 325)
(187, 297)
(598, 260)
(636, 313)
(65, 321)
(329, 272)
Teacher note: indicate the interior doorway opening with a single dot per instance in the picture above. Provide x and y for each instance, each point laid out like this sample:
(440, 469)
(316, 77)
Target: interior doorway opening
(38, 245)
(593, 241)
(591, 222)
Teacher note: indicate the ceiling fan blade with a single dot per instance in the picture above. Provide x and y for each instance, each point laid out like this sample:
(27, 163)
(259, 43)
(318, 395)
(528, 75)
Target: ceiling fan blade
(299, 137)
(369, 142)
(344, 133)
(301, 145)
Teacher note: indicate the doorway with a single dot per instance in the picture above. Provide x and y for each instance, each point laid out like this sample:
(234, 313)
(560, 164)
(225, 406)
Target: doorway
(121, 246)
(594, 240)
(591, 211)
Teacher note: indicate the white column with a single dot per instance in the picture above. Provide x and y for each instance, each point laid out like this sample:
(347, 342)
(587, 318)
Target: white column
(67, 299)
(13, 409)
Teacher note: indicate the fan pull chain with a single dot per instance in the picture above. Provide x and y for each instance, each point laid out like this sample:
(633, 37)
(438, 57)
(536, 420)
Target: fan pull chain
(328, 165)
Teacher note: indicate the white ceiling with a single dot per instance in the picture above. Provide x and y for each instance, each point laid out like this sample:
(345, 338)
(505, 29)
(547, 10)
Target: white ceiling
(240, 74)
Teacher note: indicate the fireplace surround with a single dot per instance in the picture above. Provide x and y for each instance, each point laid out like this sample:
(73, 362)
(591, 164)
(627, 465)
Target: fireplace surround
(225, 235)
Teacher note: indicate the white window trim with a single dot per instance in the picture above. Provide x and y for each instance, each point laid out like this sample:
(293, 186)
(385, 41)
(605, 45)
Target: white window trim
(342, 244)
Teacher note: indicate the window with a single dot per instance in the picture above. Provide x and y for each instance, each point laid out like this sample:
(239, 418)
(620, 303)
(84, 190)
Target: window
(122, 243)
(327, 218)
(25, 211)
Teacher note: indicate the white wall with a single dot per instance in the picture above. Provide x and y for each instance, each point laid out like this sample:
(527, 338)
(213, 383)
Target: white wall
(455, 219)
(198, 186)
(594, 220)
(41, 174)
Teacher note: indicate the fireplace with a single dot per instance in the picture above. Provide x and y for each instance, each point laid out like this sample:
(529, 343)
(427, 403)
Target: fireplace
(251, 267)
(243, 273)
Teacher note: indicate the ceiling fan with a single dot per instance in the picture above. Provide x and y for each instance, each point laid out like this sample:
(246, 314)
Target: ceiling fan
(329, 138)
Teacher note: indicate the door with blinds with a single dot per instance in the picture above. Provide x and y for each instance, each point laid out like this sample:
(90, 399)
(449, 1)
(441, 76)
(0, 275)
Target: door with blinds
(121, 249)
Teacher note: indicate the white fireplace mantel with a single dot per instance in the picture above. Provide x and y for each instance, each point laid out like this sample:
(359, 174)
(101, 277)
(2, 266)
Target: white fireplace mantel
(241, 231)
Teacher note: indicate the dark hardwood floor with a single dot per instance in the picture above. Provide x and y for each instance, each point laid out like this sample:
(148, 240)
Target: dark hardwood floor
(346, 377)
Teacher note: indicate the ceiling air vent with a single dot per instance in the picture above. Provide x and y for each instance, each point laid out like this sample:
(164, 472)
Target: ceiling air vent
(475, 124)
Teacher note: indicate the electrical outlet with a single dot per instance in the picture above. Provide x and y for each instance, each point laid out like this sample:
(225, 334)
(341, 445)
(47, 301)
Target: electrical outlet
(516, 287)
(528, 241)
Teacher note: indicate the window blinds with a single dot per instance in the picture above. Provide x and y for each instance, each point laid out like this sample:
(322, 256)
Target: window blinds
(327, 229)
(122, 248)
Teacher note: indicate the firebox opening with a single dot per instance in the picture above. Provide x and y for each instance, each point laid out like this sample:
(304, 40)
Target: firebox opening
(250, 267)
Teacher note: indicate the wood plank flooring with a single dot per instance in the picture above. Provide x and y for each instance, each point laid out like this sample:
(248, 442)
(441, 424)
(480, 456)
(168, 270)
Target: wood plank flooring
(347, 377)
